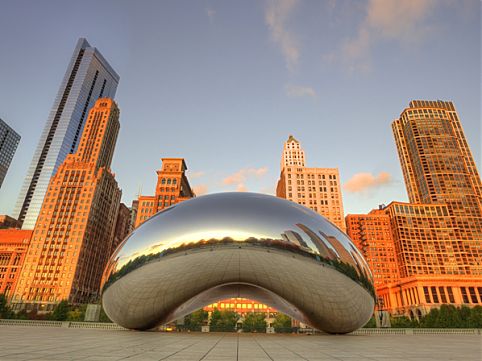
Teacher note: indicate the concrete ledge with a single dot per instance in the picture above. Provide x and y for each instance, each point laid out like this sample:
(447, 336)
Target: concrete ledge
(65, 324)
(361, 331)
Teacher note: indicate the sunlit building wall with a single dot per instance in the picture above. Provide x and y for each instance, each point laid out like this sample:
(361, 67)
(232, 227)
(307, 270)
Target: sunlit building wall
(73, 236)
(316, 188)
(172, 187)
(240, 306)
(13, 248)
(372, 234)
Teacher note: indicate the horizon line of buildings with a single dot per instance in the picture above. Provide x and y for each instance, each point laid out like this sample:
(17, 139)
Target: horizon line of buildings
(423, 253)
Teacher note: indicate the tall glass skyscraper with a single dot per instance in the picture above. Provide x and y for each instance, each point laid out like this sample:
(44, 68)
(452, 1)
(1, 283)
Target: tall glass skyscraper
(8, 145)
(88, 77)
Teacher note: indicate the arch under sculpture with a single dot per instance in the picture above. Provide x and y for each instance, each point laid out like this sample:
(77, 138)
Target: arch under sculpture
(238, 245)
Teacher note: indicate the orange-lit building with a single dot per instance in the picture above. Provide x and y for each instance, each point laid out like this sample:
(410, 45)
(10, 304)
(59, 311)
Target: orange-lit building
(437, 237)
(73, 236)
(172, 187)
(239, 305)
(315, 188)
(372, 234)
(13, 248)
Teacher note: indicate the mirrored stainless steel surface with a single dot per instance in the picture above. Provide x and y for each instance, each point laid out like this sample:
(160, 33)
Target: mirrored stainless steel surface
(238, 245)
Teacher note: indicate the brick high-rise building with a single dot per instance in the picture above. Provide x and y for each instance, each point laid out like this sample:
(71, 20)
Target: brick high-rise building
(13, 248)
(9, 140)
(315, 188)
(88, 78)
(73, 236)
(372, 234)
(172, 187)
(437, 237)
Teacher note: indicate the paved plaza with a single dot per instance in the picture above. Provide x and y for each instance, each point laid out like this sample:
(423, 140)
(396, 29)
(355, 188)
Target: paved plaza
(39, 343)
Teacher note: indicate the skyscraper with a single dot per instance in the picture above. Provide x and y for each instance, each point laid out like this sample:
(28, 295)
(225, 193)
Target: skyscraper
(172, 187)
(73, 236)
(437, 164)
(88, 77)
(8, 145)
(436, 237)
(315, 188)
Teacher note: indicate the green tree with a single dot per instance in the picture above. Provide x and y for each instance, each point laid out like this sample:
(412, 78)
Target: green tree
(465, 313)
(282, 323)
(401, 322)
(5, 311)
(448, 317)
(254, 322)
(195, 320)
(475, 319)
(61, 311)
(223, 321)
(77, 313)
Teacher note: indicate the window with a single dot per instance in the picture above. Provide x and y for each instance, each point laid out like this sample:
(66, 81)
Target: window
(464, 295)
(427, 295)
(473, 296)
(442, 294)
(451, 295)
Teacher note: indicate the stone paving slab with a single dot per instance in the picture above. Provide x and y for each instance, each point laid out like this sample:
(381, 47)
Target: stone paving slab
(39, 343)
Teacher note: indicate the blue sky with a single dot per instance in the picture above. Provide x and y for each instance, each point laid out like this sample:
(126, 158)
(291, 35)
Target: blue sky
(223, 84)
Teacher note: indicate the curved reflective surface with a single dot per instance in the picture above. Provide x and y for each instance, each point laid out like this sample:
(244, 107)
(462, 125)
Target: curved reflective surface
(238, 245)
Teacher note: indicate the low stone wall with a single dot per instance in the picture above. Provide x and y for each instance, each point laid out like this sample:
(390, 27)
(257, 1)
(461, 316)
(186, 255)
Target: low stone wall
(67, 324)
(361, 331)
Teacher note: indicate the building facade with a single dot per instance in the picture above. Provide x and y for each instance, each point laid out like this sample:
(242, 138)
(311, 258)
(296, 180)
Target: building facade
(437, 239)
(13, 248)
(73, 236)
(172, 187)
(316, 188)
(372, 234)
(9, 140)
(437, 164)
(240, 306)
(88, 78)
(122, 226)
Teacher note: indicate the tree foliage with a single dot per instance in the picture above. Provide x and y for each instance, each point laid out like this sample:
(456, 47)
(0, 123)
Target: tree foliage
(61, 311)
(254, 322)
(5, 311)
(282, 323)
(196, 320)
(223, 321)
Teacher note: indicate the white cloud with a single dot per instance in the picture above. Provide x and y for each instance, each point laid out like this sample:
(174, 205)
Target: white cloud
(362, 182)
(299, 91)
(200, 189)
(240, 177)
(388, 20)
(276, 15)
(195, 175)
